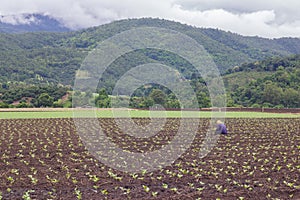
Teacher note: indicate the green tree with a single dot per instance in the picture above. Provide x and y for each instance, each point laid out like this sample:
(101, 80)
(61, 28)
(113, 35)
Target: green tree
(45, 100)
(23, 105)
(203, 100)
(103, 100)
(146, 103)
(272, 94)
(291, 98)
(158, 96)
(3, 105)
(173, 103)
(57, 104)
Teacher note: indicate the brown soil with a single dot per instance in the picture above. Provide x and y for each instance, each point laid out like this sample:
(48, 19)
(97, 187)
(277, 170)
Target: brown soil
(45, 159)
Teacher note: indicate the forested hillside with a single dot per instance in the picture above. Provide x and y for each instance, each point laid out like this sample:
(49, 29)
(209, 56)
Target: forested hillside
(274, 82)
(32, 56)
(52, 59)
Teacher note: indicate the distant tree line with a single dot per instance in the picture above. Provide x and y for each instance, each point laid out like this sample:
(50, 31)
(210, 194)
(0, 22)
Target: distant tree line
(22, 95)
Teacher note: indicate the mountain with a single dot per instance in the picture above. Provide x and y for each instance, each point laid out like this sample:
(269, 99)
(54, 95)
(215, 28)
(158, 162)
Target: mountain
(55, 57)
(30, 23)
(227, 49)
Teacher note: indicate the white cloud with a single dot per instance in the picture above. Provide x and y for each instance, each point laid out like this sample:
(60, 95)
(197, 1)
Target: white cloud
(268, 18)
(18, 19)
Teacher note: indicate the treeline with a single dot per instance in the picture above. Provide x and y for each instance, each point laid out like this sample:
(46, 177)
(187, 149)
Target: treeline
(147, 96)
(21, 95)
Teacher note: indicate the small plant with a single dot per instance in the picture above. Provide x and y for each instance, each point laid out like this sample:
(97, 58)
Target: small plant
(174, 189)
(33, 180)
(26, 195)
(68, 175)
(52, 180)
(146, 188)
(78, 193)
(114, 176)
(134, 176)
(125, 190)
(154, 194)
(165, 186)
(11, 179)
(105, 192)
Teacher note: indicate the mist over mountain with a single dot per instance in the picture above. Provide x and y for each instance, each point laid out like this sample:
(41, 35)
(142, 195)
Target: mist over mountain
(30, 23)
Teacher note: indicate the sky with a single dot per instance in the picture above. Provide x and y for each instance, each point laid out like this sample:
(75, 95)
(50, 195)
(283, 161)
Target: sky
(265, 18)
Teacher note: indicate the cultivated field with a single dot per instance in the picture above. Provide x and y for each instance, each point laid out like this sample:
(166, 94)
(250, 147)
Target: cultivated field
(33, 113)
(45, 159)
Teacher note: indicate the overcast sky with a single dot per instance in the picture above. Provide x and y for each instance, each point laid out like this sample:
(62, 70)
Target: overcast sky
(266, 18)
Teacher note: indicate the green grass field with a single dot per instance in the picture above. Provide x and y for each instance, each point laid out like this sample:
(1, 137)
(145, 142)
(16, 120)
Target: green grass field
(136, 113)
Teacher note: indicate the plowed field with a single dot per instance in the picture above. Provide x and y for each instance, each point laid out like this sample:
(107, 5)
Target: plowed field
(45, 159)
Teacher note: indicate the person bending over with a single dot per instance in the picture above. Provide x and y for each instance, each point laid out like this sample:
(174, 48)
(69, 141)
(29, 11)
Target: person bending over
(221, 128)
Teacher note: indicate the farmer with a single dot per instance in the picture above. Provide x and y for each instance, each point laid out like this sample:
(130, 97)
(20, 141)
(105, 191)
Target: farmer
(221, 128)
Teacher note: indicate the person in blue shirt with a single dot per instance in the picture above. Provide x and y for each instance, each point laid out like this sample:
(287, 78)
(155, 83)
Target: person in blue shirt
(221, 128)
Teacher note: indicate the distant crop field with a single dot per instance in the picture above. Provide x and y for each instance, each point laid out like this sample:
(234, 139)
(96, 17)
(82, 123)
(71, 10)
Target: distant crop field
(46, 159)
(108, 113)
